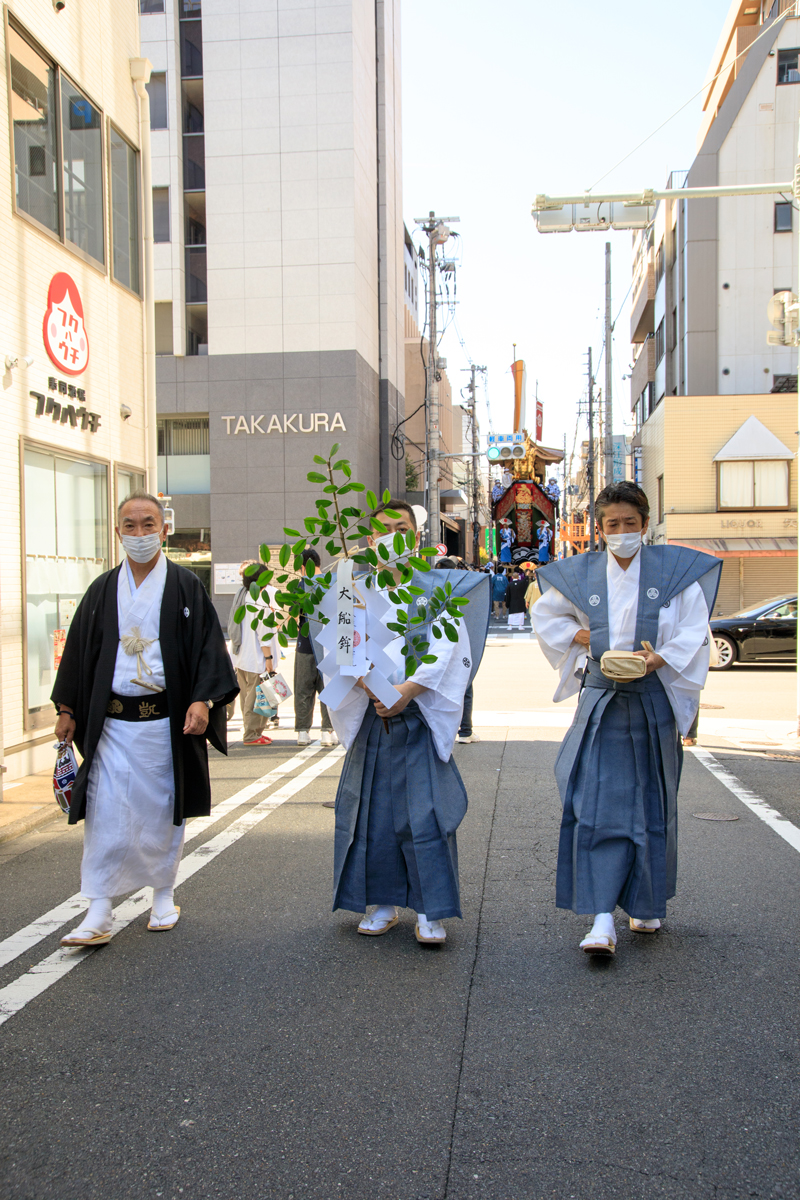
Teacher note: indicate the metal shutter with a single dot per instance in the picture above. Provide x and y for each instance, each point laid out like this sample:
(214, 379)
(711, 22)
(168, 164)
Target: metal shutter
(728, 594)
(768, 577)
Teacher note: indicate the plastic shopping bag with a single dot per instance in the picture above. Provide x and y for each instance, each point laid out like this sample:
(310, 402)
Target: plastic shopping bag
(66, 770)
(263, 706)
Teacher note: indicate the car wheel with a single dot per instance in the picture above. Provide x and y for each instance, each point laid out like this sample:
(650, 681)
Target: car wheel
(727, 652)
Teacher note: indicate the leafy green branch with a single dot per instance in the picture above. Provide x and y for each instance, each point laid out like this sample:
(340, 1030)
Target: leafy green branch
(299, 592)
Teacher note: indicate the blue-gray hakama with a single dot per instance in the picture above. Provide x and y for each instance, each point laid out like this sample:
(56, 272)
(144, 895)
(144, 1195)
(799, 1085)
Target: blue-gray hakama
(619, 766)
(397, 810)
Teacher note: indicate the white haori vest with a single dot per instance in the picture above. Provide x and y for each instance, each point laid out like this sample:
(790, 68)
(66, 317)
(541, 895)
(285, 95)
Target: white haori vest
(130, 840)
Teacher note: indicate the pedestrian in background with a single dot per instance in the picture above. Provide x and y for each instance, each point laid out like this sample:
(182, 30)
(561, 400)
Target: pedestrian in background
(465, 731)
(308, 680)
(499, 589)
(515, 600)
(254, 652)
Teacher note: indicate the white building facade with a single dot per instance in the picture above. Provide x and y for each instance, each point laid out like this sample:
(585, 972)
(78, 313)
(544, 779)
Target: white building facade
(279, 258)
(71, 273)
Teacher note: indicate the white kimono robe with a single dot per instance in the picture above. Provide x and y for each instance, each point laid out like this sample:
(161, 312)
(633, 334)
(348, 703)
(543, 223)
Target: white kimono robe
(682, 637)
(130, 840)
(441, 703)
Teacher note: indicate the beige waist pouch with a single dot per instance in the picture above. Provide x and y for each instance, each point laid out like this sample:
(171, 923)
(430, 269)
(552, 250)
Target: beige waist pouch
(622, 665)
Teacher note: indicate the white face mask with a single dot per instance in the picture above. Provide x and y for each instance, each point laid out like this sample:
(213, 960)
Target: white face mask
(141, 549)
(624, 545)
(387, 540)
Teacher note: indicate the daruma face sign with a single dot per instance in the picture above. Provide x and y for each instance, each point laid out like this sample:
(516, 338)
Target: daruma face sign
(65, 337)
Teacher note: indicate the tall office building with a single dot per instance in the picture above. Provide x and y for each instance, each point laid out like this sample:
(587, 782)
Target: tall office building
(279, 263)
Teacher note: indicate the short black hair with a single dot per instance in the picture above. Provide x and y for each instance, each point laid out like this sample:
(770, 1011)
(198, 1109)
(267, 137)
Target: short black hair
(251, 573)
(397, 506)
(445, 564)
(625, 492)
(310, 555)
(141, 494)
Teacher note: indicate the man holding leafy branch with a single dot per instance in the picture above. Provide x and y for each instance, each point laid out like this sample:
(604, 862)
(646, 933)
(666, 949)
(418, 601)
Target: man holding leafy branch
(400, 798)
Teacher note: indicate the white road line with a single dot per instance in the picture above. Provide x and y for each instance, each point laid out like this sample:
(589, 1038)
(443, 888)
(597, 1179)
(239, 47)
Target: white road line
(769, 815)
(11, 947)
(27, 987)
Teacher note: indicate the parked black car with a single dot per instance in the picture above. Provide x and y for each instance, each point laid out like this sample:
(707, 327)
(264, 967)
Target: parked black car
(765, 633)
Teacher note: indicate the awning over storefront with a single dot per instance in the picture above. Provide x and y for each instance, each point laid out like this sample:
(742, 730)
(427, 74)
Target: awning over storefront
(780, 547)
(450, 523)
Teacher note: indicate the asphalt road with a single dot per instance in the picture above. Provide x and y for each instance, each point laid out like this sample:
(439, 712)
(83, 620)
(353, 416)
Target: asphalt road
(263, 1049)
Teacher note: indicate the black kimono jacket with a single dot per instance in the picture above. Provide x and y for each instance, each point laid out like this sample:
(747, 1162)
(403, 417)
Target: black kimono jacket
(197, 666)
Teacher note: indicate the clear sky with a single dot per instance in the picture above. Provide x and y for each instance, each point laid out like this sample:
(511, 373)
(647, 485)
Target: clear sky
(505, 100)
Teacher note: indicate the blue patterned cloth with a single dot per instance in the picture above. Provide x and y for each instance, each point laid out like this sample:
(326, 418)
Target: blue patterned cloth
(397, 810)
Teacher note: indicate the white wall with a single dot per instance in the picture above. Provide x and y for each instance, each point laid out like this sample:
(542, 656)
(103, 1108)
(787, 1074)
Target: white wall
(752, 259)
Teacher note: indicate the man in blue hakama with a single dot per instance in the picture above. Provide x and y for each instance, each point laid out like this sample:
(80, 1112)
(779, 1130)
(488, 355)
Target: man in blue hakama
(619, 766)
(400, 798)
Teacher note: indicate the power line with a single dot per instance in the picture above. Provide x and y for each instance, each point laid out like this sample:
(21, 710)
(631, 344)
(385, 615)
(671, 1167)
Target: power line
(682, 107)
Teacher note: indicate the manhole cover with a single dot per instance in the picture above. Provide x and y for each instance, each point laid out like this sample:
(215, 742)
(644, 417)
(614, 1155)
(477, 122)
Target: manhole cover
(712, 705)
(714, 817)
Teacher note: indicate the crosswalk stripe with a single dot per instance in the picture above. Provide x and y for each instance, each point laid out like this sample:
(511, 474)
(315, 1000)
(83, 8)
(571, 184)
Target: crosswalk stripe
(769, 815)
(43, 975)
(17, 943)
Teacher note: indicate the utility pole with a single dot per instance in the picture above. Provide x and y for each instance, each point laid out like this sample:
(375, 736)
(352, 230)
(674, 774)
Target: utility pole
(609, 438)
(590, 459)
(438, 233)
(473, 408)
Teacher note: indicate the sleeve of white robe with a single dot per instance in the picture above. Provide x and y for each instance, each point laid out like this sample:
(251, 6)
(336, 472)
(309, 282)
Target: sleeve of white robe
(555, 621)
(445, 683)
(683, 644)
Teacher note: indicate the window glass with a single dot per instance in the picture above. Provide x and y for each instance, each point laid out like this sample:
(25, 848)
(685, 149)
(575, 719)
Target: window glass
(788, 66)
(157, 91)
(786, 612)
(33, 113)
(151, 6)
(194, 162)
(124, 211)
(184, 465)
(196, 286)
(66, 548)
(161, 214)
(771, 484)
(191, 8)
(82, 156)
(164, 328)
(191, 49)
(783, 217)
(127, 482)
(736, 485)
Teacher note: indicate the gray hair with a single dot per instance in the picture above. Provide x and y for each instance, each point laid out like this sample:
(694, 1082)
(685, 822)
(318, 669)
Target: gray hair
(140, 494)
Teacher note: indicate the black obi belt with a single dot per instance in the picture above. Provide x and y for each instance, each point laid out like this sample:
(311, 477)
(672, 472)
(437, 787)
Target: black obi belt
(154, 707)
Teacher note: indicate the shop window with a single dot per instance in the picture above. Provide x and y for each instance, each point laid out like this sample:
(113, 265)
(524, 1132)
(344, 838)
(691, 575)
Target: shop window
(124, 172)
(33, 113)
(66, 548)
(161, 214)
(128, 482)
(164, 328)
(746, 485)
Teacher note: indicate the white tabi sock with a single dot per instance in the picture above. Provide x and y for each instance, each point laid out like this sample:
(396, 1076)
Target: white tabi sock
(604, 926)
(99, 916)
(384, 912)
(163, 901)
(430, 928)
